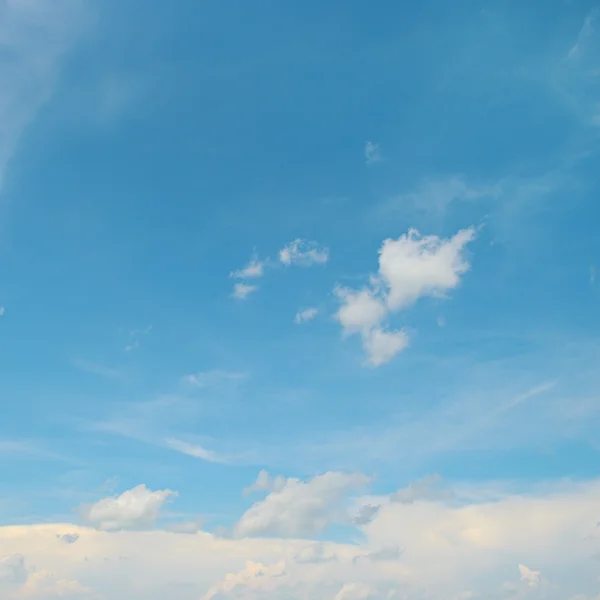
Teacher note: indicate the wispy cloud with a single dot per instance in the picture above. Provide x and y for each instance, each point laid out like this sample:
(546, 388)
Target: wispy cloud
(194, 450)
(308, 314)
(241, 291)
(35, 35)
(211, 379)
(93, 368)
(135, 336)
(372, 153)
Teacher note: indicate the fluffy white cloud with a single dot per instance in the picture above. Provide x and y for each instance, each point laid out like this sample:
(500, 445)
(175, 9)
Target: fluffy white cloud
(465, 549)
(308, 314)
(303, 253)
(381, 346)
(414, 266)
(137, 508)
(242, 290)
(410, 267)
(298, 509)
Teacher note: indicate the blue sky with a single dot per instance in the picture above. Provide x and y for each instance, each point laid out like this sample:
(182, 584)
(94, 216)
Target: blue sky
(305, 238)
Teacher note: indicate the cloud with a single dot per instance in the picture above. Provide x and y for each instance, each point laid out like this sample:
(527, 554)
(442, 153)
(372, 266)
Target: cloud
(381, 346)
(137, 508)
(299, 509)
(303, 253)
(265, 483)
(35, 35)
(210, 379)
(425, 489)
(135, 335)
(68, 538)
(2, 311)
(315, 554)
(93, 368)
(194, 450)
(460, 550)
(242, 290)
(308, 314)
(255, 577)
(254, 269)
(372, 153)
(531, 577)
(410, 267)
(12, 569)
(42, 585)
(365, 514)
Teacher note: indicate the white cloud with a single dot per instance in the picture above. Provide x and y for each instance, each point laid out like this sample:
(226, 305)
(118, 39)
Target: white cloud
(242, 290)
(531, 577)
(381, 346)
(308, 314)
(12, 569)
(43, 585)
(194, 450)
(414, 266)
(137, 508)
(255, 577)
(303, 253)
(265, 483)
(34, 35)
(410, 267)
(372, 153)
(355, 591)
(2, 311)
(254, 269)
(459, 550)
(299, 508)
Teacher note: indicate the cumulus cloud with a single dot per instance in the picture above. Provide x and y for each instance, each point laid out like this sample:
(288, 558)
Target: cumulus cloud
(308, 314)
(137, 508)
(462, 550)
(266, 483)
(298, 508)
(303, 253)
(256, 577)
(410, 267)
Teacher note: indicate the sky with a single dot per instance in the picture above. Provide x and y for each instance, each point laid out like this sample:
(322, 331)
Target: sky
(299, 300)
